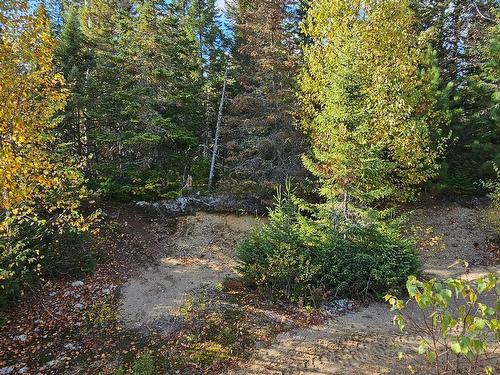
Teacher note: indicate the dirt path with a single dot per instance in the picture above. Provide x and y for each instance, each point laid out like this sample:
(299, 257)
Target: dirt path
(199, 254)
(366, 341)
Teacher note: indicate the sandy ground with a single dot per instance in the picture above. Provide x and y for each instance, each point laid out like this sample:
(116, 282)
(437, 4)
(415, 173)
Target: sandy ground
(366, 341)
(199, 254)
(451, 233)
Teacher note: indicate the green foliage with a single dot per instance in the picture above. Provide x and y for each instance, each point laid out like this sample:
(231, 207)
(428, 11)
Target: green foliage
(68, 253)
(458, 327)
(161, 181)
(144, 364)
(472, 68)
(35, 249)
(313, 254)
(369, 92)
(144, 84)
(19, 266)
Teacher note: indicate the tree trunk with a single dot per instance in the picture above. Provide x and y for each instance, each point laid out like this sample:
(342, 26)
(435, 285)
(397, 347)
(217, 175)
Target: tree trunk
(217, 132)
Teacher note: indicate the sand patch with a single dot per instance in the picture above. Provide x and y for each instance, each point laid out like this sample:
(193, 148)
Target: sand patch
(199, 254)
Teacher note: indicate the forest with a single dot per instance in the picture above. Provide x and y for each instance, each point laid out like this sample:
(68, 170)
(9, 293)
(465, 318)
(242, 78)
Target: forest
(249, 186)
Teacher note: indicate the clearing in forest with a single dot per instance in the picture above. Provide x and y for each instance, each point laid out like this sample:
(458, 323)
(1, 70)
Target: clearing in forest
(201, 254)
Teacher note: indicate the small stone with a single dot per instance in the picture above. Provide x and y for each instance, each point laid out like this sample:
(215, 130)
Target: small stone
(23, 370)
(70, 346)
(79, 306)
(6, 370)
(52, 294)
(68, 293)
(22, 338)
(78, 283)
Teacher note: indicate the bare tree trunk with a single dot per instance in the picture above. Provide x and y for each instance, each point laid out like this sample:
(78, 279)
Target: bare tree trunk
(84, 122)
(217, 132)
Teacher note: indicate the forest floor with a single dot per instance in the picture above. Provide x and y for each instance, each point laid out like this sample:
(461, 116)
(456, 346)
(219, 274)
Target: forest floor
(165, 288)
(365, 341)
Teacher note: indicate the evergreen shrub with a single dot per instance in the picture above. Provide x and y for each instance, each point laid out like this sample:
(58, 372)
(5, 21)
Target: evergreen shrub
(302, 254)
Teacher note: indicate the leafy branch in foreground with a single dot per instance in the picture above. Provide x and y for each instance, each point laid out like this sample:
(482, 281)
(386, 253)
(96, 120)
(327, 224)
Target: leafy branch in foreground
(457, 332)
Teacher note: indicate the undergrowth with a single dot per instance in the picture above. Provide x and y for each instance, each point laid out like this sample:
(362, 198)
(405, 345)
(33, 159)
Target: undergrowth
(302, 254)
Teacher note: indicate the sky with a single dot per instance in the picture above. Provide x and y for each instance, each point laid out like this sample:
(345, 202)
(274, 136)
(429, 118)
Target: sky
(221, 4)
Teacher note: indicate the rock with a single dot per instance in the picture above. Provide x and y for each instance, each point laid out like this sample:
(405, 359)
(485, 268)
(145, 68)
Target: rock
(68, 293)
(216, 203)
(23, 370)
(79, 306)
(70, 346)
(168, 324)
(21, 338)
(52, 294)
(6, 370)
(339, 306)
(76, 284)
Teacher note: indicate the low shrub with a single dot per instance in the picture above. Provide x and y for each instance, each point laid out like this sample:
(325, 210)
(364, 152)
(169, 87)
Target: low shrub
(460, 329)
(301, 254)
(68, 253)
(145, 364)
(33, 249)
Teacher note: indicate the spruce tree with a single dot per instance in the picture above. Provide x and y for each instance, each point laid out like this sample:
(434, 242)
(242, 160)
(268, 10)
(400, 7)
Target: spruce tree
(73, 60)
(261, 147)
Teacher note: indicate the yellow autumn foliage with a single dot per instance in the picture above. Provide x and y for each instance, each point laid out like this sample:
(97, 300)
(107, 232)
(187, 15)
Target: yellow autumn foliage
(33, 176)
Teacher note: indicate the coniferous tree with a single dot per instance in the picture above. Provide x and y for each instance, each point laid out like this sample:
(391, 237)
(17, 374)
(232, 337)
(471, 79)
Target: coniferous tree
(146, 102)
(460, 31)
(369, 108)
(73, 60)
(261, 146)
